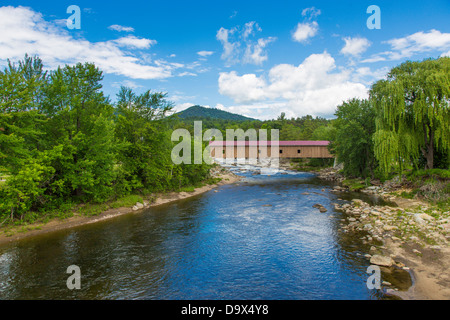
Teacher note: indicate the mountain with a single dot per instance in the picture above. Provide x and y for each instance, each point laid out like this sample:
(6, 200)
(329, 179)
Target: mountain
(199, 112)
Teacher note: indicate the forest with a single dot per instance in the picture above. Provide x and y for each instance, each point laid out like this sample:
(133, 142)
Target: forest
(64, 143)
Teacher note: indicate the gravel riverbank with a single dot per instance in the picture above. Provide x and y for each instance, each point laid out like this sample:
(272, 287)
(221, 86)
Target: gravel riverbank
(413, 235)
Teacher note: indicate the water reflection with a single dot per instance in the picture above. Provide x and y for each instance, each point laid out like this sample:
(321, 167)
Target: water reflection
(260, 239)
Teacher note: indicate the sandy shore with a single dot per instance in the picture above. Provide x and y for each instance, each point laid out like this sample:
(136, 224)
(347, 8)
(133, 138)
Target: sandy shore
(430, 264)
(78, 220)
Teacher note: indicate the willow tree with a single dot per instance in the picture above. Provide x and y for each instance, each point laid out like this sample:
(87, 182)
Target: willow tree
(412, 113)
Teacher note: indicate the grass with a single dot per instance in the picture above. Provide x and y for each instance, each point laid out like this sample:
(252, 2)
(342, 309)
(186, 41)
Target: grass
(126, 201)
(354, 184)
(311, 164)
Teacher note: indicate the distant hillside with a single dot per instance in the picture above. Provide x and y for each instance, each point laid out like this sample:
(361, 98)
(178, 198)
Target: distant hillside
(198, 112)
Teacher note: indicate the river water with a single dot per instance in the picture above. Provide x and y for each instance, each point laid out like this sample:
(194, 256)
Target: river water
(259, 239)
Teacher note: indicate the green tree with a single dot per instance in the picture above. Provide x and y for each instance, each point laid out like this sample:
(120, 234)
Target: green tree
(412, 113)
(353, 143)
(80, 133)
(21, 129)
(144, 160)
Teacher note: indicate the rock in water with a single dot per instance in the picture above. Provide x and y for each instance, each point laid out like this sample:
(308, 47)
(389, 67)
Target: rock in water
(381, 260)
(320, 207)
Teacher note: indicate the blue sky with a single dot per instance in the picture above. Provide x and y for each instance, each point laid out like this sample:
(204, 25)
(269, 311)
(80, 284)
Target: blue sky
(257, 58)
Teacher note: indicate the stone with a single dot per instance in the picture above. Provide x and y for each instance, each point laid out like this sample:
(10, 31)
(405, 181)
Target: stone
(134, 208)
(139, 205)
(381, 260)
(427, 217)
(367, 226)
(418, 219)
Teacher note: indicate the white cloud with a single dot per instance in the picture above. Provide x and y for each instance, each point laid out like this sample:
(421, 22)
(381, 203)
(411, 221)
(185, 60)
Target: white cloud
(120, 28)
(414, 44)
(421, 42)
(28, 32)
(238, 45)
(134, 42)
(182, 106)
(314, 87)
(234, 14)
(186, 73)
(445, 54)
(246, 88)
(250, 28)
(255, 53)
(205, 53)
(355, 46)
(127, 83)
(304, 31)
(311, 12)
(229, 48)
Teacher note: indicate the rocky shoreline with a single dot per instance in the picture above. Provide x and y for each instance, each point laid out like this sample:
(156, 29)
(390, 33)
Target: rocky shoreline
(412, 236)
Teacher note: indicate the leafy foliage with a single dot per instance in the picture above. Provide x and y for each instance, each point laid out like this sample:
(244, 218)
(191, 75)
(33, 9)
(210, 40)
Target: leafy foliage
(63, 142)
(413, 114)
(353, 145)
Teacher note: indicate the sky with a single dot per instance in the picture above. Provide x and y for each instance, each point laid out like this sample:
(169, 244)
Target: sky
(255, 58)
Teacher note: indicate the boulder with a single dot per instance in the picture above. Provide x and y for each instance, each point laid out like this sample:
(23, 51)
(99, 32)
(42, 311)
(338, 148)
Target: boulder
(381, 260)
(139, 205)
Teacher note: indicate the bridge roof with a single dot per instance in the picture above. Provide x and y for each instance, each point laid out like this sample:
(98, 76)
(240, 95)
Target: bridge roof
(269, 143)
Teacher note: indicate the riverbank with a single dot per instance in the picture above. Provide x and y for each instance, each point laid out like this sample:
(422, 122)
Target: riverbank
(12, 234)
(414, 236)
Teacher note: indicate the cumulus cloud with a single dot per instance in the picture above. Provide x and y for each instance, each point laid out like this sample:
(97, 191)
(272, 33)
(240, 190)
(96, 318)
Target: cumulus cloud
(239, 46)
(28, 32)
(304, 31)
(355, 46)
(308, 28)
(120, 28)
(255, 53)
(313, 87)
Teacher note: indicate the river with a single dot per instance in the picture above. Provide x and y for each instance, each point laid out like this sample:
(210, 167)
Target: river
(258, 239)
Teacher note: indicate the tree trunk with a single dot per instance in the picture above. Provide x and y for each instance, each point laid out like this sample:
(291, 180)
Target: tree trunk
(428, 151)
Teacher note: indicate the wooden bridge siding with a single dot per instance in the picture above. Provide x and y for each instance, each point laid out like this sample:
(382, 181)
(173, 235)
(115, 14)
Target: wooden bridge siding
(288, 152)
